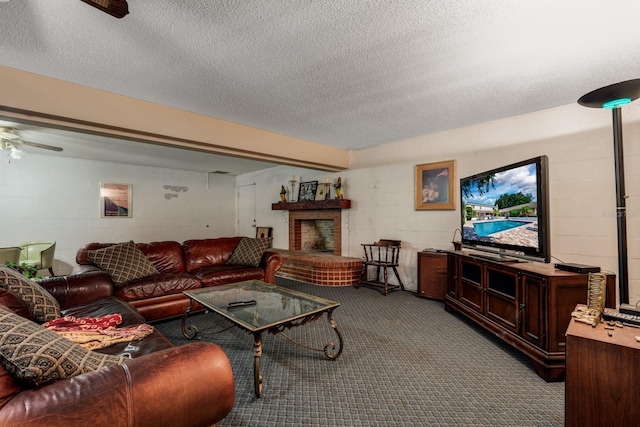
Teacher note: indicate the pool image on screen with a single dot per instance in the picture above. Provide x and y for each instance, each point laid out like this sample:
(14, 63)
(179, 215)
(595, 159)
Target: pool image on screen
(502, 209)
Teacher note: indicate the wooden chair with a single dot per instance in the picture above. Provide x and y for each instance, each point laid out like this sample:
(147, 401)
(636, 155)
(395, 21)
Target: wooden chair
(381, 255)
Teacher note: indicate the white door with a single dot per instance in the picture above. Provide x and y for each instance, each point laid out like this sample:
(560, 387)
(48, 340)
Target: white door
(246, 211)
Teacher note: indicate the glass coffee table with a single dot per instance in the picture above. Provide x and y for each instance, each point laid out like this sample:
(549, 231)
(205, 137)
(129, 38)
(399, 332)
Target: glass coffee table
(257, 307)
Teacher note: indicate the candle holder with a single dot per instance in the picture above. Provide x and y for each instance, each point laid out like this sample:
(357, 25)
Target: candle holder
(293, 189)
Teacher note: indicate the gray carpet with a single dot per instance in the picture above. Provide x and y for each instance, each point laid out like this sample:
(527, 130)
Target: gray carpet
(406, 362)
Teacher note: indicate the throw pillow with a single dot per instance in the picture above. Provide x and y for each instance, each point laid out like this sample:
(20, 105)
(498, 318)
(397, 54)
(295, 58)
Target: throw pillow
(42, 304)
(124, 262)
(249, 251)
(12, 302)
(39, 356)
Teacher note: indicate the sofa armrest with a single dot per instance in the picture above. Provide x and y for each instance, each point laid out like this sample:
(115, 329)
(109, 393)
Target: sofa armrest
(189, 385)
(271, 262)
(78, 289)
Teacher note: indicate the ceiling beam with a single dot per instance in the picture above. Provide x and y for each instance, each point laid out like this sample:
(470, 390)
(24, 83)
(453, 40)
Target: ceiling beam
(38, 99)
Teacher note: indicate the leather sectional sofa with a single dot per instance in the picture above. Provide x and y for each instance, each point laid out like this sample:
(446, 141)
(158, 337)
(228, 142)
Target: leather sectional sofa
(196, 378)
(190, 265)
(161, 385)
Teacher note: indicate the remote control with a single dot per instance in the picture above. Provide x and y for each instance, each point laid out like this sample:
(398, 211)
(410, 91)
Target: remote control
(628, 319)
(237, 304)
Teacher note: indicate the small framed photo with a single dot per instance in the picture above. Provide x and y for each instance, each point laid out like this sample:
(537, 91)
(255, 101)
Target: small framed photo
(322, 193)
(115, 200)
(264, 232)
(435, 184)
(307, 191)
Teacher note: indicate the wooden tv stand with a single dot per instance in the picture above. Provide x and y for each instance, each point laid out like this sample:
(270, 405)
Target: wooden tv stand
(526, 304)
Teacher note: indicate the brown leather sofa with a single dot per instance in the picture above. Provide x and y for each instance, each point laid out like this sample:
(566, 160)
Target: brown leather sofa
(190, 265)
(162, 385)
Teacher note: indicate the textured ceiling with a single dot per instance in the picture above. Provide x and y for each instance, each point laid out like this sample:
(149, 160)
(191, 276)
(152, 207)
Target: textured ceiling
(345, 73)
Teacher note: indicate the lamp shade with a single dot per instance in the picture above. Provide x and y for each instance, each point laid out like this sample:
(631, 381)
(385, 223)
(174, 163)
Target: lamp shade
(612, 96)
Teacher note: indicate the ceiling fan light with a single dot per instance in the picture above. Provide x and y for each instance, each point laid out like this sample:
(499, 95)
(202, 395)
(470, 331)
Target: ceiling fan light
(16, 153)
(117, 8)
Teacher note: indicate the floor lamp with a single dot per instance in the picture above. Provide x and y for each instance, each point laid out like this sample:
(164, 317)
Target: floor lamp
(613, 97)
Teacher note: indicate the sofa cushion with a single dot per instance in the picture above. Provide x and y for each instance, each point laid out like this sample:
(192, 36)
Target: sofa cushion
(224, 274)
(249, 251)
(124, 262)
(39, 356)
(165, 256)
(206, 252)
(157, 285)
(41, 304)
(130, 317)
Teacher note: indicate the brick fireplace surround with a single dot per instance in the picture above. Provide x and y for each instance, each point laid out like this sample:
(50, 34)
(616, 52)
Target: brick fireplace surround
(295, 227)
(320, 268)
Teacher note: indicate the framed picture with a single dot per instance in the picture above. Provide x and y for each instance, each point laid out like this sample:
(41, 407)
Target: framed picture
(322, 193)
(115, 200)
(435, 184)
(307, 191)
(264, 232)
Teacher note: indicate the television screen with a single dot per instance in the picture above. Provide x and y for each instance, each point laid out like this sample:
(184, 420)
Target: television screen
(506, 210)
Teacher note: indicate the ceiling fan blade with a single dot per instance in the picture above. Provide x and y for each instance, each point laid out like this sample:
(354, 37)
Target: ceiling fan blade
(44, 146)
(117, 8)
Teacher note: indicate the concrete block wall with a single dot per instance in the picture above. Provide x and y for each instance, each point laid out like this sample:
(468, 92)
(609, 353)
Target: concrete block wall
(578, 141)
(55, 198)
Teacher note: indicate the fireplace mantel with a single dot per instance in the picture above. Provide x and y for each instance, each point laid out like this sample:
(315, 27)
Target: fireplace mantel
(312, 205)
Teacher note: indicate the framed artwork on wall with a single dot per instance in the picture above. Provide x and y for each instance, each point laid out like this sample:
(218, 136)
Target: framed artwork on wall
(115, 200)
(435, 184)
(264, 232)
(307, 191)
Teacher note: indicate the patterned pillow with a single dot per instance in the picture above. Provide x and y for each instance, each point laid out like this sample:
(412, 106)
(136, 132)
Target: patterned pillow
(12, 302)
(124, 262)
(249, 251)
(40, 356)
(42, 305)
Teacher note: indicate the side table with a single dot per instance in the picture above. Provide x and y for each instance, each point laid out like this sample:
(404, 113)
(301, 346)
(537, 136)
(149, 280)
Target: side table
(602, 375)
(432, 275)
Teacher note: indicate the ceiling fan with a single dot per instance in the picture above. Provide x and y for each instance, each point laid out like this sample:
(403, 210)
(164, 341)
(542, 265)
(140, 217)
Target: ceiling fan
(117, 8)
(10, 141)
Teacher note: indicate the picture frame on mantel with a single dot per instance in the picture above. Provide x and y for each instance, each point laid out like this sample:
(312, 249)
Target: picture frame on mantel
(307, 191)
(435, 185)
(322, 192)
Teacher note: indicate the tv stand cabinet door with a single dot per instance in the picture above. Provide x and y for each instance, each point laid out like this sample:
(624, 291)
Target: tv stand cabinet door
(472, 284)
(532, 310)
(501, 296)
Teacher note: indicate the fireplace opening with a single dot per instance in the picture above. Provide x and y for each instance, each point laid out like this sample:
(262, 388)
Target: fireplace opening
(316, 235)
(322, 231)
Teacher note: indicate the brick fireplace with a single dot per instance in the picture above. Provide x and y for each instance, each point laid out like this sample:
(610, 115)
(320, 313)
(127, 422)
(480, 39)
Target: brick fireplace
(315, 244)
(309, 226)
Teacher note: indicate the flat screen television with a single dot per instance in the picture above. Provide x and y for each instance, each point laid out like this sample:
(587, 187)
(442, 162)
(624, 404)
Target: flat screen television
(506, 211)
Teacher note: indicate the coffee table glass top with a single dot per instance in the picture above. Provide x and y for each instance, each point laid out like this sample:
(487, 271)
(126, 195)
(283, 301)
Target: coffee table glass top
(260, 305)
